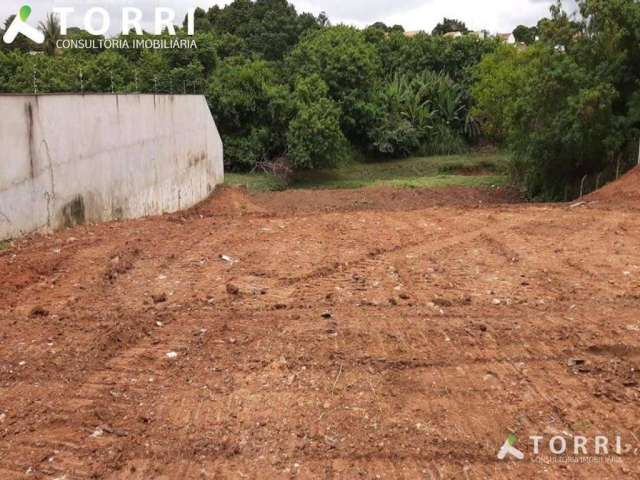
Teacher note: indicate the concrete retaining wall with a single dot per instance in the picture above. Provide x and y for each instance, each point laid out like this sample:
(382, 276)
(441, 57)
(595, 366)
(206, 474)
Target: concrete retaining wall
(69, 159)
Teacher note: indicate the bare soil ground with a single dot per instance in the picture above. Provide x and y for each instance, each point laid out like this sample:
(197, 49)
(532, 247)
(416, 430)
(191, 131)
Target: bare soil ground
(354, 334)
(624, 190)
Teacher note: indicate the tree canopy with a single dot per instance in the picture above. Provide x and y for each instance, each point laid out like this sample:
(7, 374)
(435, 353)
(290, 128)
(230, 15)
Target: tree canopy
(568, 106)
(526, 35)
(448, 25)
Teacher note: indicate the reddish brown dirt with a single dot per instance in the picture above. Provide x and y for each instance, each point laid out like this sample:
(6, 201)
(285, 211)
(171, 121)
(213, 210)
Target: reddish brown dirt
(624, 190)
(365, 334)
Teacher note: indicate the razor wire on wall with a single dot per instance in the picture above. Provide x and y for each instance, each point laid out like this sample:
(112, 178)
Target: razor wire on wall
(166, 83)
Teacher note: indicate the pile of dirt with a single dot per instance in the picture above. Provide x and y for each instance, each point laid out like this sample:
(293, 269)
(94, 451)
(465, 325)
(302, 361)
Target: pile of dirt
(624, 190)
(228, 201)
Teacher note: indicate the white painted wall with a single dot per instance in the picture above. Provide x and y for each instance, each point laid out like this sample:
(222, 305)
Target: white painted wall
(65, 158)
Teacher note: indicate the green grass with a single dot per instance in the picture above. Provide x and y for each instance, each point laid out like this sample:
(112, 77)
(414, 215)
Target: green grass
(470, 170)
(436, 181)
(255, 182)
(4, 246)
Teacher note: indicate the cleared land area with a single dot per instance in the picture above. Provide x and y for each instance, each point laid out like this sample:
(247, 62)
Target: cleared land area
(396, 334)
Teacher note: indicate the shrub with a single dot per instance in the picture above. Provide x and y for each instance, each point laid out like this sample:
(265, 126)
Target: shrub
(251, 110)
(349, 66)
(403, 119)
(556, 117)
(444, 141)
(314, 137)
(423, 113)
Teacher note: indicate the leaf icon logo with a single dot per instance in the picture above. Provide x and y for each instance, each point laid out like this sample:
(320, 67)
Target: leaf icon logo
(25, 12)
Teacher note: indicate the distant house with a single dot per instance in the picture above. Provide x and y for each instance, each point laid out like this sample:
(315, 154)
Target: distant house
(454, 34)
(482, 34)
(507, 38)
(412, 34)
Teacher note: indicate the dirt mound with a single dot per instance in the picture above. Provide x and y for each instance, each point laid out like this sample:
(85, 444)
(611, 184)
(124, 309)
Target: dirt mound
(624, 190)
(231, 201)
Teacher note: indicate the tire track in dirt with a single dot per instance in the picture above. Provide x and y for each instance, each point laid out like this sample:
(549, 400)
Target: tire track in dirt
(413, 389)
(95, 389)
(91, 394)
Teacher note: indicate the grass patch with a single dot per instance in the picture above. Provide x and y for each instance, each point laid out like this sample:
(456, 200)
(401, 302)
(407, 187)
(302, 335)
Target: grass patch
(439, 171)
(436, 181)
(469, 170)
(255, 182)
(4, 245)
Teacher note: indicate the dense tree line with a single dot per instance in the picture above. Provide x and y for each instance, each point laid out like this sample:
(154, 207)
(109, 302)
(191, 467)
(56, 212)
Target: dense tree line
(568, 105)
(284, 85)
(292, 88)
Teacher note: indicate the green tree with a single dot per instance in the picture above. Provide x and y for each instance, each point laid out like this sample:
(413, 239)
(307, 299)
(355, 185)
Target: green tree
(556, 116)
(348, 64)
(568, 106)
(455, 57)
(41, 73)
(380, 26)
(426, 113)
(450, 25)
(314, 137)
(51, 29)
(526, 35)
(108, 71)
(561, 31)
(249, 107)
(402, 119)
(500, 78)
(270, 28)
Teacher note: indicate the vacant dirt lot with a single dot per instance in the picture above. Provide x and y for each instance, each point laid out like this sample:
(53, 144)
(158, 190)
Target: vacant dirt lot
(390, 334)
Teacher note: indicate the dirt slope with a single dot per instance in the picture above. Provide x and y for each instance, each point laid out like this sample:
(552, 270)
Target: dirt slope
(624, 190)
(392, 341)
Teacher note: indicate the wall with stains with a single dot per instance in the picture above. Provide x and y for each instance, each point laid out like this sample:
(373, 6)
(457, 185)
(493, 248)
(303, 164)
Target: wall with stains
(71, 159)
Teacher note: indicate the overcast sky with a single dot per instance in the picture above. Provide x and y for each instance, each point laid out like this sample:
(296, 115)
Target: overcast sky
(493, 15)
